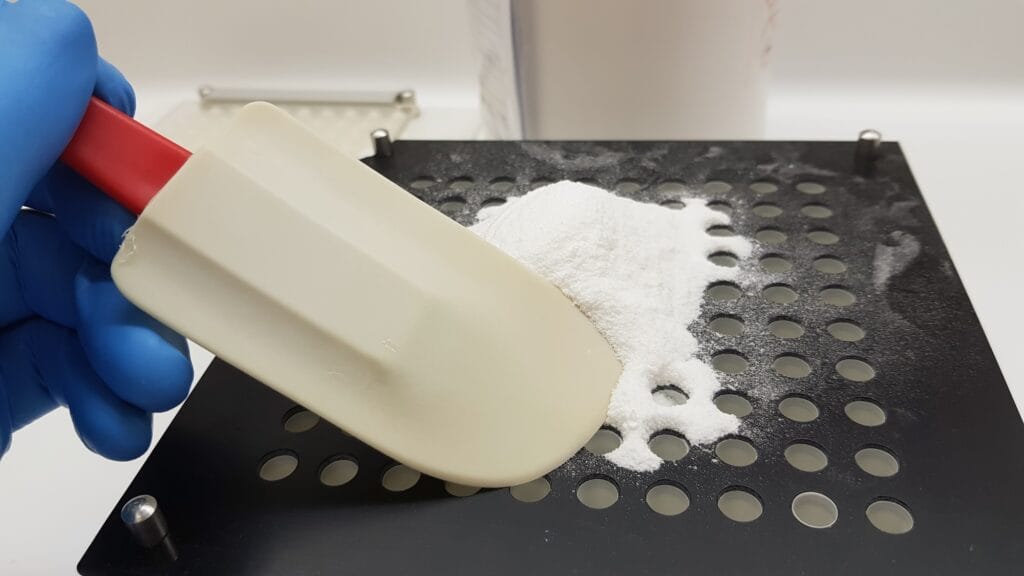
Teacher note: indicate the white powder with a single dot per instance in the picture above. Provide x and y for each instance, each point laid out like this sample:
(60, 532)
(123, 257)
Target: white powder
(639, 272)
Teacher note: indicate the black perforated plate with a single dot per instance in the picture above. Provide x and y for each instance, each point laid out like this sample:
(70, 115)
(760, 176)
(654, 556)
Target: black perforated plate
(950, 421)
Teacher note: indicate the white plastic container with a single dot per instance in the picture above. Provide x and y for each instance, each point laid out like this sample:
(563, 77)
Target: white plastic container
(642, 69)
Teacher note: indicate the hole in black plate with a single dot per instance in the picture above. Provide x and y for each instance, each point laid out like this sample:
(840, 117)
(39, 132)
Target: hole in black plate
(721, 231)
(791, 366)
(837, 296)
(598, 492)
(767, 210)
(740, 504)
(729, 361)
(277, 465)
(298, 419)
(770, 236)
(720, 206)
(726, 259)
(452, 204)
(723, 291)
(733, 403)
(737, 452)
(726, 325)
(501, 184)
(806, 456)
(787, 328)
(775, 264)
(829, 265)
(815, 510)
(338, 470)
(667, 498)
(823, 237)
(460, 184)
(532, 491)
(668, 445)
(816, 211)
(878, 461)
(422, 182)
(855, 369)
(846, 330)
(628, 186)
(798, 409)
(865, 412)
(890, 516)
(780, 294)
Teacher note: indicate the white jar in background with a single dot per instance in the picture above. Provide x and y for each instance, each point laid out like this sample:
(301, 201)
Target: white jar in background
(624, 69)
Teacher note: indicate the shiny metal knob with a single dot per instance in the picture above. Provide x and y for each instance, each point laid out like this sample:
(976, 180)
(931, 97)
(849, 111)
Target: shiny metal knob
(868, 143)
(144, 519)
(381, 142)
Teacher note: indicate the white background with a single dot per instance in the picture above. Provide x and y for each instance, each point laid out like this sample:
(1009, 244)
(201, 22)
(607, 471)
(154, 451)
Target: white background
(944, 78)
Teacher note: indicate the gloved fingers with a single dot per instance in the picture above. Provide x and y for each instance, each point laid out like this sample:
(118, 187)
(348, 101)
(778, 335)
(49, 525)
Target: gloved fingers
(84, 204)
(141, 360)
(23, 394)
(47, 72)
(38, 264)
(113, 88)
(106, 424)
(89, 217)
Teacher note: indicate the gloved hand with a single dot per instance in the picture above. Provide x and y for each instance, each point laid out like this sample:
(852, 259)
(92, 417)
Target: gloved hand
(67, 336)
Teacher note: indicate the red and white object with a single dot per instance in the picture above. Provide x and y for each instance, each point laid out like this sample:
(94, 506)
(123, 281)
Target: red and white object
(332, 285)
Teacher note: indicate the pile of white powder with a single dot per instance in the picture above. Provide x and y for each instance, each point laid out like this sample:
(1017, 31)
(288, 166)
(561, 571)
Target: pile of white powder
(639, 272)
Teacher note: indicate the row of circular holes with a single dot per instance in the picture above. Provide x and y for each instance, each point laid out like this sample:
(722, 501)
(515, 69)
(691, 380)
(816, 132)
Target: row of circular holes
(771, 235)
(791, 365)
(786, 327)
(796, 407)
(875, 460)
(768, 235)
(741, 504)
(775, 263)
(625, 186)
(780, 293)
(667, 498)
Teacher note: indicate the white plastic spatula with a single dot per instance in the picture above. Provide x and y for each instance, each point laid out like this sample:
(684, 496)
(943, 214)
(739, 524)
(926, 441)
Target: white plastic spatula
(332, 285)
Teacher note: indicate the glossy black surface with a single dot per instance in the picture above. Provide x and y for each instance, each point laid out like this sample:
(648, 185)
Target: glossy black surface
(951, 422)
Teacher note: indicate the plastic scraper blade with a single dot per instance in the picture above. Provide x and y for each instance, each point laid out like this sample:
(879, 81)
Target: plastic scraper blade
(335, 287)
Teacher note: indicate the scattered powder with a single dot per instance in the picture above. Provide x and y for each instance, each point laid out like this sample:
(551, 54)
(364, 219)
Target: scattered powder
(639, 272)
(894, 256)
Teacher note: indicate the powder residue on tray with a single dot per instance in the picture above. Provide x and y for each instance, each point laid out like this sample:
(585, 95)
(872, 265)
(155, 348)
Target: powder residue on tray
(639, 272)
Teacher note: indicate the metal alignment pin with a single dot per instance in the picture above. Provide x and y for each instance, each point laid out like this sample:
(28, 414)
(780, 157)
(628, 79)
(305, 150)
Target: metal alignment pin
(381, 143)
(866, 151)
(144, 519)
(405, 98)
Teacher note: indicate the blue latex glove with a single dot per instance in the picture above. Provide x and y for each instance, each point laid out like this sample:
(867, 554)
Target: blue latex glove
(67, 336)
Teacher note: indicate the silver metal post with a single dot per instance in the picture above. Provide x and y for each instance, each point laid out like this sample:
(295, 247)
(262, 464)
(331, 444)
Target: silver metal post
(144, 519)
(866, 151)
(406, 98)
(381, 143)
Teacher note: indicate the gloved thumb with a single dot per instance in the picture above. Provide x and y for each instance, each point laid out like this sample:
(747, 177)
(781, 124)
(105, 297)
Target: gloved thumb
(47, 71)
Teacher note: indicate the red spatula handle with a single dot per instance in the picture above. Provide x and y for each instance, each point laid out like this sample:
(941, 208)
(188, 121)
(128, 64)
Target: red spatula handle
(121, 157)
